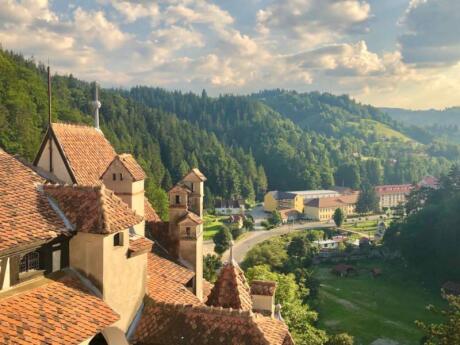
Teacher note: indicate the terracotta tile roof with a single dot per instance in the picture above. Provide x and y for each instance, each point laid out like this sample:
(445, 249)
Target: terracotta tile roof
(130, 164)
(172, 324)
(167, 268)
(179, 189)
(150, 215)
(88, 152)
(166, 281)
(26, 215)
(93, 209)
(275, 331)
(139, 245)
(197, 173)
(342, 200)
(55, 312)
(262, 287)
(393, 189)
(231, 289)
(190, 216)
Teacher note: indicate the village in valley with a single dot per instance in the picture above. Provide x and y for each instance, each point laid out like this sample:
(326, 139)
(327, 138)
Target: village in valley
(229, 172)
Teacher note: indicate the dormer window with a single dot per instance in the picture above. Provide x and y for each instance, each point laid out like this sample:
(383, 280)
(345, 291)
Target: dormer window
(114, 176)
(30, 262)
(118, 240)
(177, 199)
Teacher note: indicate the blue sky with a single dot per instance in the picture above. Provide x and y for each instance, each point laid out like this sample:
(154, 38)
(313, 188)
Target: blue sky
(401, 53)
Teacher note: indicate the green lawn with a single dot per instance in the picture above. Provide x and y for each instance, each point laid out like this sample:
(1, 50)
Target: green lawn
(368, 227)
(374, 308)
(211, 225)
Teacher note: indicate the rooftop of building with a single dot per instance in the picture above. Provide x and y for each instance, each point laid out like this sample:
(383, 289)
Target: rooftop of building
(130, 164)
(342, 200)
(55, 310)
(26, 215)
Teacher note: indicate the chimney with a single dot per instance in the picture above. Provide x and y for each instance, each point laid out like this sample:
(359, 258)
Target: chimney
(96, 105)
(263, 297)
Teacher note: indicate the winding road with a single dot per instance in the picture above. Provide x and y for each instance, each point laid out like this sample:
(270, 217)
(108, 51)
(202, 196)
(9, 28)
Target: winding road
(241, 247)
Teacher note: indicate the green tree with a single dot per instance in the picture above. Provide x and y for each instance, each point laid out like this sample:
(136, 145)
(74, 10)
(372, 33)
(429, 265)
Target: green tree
(275, 218)
(211, 264)
(222, 240)
(338, 217)
(368, 200)
(340, 339)
(446, 333)
(347, 175)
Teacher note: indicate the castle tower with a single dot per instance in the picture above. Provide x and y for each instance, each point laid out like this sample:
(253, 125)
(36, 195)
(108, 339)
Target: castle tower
(186, 224)
(126, 178)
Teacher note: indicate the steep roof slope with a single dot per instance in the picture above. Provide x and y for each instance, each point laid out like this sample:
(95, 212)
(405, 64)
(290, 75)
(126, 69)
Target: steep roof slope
(93, 209)
(61, 311)
(171, 324)
(231, 289)
(88, 152)
(25, 213)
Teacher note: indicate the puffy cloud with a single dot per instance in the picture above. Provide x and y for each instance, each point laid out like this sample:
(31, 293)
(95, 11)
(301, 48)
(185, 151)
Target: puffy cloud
(431, 36)
(313, 22)
(133, 11)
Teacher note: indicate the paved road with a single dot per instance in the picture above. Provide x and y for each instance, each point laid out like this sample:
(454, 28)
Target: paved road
(252, 238)
(255, 237)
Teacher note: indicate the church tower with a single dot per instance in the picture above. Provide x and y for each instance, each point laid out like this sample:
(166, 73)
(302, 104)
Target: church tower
(186, 224)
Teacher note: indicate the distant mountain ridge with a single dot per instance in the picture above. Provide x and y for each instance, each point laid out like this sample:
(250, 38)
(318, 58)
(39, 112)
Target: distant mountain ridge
(448, 116)
(275, 139)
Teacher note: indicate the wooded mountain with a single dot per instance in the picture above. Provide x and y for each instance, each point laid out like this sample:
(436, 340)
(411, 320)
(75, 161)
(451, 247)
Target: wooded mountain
(244, 144)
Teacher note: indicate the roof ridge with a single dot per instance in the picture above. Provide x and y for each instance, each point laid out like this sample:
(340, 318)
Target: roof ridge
(246, 314)
(70, 124)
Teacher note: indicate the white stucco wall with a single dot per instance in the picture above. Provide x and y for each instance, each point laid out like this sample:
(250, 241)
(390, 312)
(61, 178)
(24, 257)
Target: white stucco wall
(59, 168)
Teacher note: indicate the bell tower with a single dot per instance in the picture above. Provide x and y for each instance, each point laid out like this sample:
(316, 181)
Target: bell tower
(186, 224)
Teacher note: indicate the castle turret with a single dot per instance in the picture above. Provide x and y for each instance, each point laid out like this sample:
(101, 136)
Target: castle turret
(186, 224)
(126, 178)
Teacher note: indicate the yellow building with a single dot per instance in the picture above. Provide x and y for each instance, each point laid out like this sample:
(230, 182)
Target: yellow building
(276, 200)
(323, 209)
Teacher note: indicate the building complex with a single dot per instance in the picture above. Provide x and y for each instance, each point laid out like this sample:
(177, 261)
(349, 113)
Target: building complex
(85, 259)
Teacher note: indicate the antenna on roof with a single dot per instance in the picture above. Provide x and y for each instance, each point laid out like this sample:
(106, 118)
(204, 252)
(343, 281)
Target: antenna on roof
(49, 96)
(96, 105)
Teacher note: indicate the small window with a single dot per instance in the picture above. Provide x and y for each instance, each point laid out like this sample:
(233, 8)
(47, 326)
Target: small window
(188, 231)
(114, 176)
(118, 239)
(177, 199)
(29, 262)
(192, 187)
(121, 177)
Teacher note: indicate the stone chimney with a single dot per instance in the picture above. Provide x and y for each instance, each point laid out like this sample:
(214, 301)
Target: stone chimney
(263, 297)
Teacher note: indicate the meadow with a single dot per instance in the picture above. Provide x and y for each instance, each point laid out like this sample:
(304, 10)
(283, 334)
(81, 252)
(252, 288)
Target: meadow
(379, 310)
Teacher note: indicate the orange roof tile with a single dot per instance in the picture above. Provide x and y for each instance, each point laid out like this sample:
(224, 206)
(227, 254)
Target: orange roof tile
(26, 215)
(190, 216)
(393, 189)
(230, 289)
(55, 312)
(139, 245)
(130, 164)
(197, 173)
(150, 215)
(262, 287)
(166, 281)
(93, 209)
(171, 324)
(87, 151)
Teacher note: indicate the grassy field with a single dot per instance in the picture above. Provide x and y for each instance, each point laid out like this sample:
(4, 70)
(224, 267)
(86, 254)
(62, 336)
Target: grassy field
(374, 310)
(368, 227)
(211, 225)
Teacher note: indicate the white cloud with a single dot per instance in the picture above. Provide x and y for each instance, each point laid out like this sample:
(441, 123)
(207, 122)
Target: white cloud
(132, 11)
(312, 22)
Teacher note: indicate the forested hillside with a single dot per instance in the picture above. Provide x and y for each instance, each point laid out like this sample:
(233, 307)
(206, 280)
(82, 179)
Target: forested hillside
(244, 144)
(442, 124)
